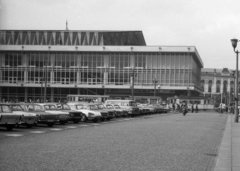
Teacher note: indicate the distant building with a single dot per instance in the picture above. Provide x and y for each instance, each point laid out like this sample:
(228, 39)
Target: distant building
(93, 62)
(218, 84)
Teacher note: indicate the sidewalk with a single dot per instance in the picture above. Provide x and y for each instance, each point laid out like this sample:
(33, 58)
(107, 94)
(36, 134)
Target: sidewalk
(229, 152)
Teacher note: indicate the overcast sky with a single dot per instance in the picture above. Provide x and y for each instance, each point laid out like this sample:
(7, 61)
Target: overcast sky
(206, 24)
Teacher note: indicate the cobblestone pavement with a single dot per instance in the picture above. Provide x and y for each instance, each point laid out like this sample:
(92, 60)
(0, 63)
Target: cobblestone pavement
(171, 142)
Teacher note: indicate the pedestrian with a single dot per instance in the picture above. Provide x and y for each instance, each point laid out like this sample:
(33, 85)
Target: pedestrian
(196, 108)
(226, 109)
(192, 108)
(173, 106)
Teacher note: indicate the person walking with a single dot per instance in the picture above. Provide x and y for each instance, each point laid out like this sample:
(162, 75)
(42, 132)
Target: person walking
(196, 108)
(192, 108)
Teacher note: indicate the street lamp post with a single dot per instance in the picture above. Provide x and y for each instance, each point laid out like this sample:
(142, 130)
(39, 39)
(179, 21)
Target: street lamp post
(234, 44)
(133, 75)
(41, 79)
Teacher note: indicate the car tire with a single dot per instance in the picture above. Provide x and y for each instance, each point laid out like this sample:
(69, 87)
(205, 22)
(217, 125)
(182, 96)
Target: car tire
(84, 118)
(62, 122)
(95, 120)
(76, 121)
(29, 125)
(10, 127)
(50, 124)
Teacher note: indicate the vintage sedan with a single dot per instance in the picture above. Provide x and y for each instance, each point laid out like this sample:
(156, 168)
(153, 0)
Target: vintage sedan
(8, 119)
(43, 117)
(119, 112)
(63, 117)
(103, 109)
(74, 115)
(89, 110)
(28, 119)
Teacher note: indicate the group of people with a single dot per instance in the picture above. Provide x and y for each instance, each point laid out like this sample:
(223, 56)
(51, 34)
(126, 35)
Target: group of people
(175, 107)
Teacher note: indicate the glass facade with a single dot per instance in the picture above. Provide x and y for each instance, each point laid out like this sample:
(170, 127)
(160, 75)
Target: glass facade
(99, 68)
(31, 69)
(93, 62)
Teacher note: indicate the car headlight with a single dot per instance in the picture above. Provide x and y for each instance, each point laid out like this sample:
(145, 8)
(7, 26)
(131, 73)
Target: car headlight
(90, 114)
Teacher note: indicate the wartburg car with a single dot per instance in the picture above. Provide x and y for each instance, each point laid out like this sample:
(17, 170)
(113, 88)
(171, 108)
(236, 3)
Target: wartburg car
(89, 110)
(43, 117)
(28, 119)
(8, 119)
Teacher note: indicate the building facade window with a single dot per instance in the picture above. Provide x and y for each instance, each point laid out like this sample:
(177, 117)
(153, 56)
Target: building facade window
(218, 86)
(202, 85)
(210, 86)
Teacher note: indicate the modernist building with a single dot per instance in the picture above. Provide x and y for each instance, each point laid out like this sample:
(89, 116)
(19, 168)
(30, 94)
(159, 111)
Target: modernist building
(93, 62)
(218, 84)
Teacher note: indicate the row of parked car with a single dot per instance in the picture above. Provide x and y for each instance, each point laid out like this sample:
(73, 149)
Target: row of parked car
(31, 114)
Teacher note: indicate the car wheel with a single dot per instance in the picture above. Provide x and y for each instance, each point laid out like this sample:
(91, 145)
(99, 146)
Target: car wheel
(76, 121)
(29, 125)
(9, 127)
(95, 120)
(84, 118)
(62, 122)
(50, 124)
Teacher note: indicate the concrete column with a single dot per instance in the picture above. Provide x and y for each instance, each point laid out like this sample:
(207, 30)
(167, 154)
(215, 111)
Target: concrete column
(25, 76)
(52, 77)
(0, 94)
(78, 77)
(228, 86)
(106, 61)
(26, 94)
(78, 91)
(206, 87)
(189, 93)
(52, 94)
(221, 87)
(214, 85)
(105, 78)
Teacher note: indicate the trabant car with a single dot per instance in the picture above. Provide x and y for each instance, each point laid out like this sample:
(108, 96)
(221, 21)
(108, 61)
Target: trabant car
(74, 115)
(51, 108)
(89, 110)
(8, 119)
(102, 109)
(43, 117)
(129, 105)
(28, 119)
(119, 111)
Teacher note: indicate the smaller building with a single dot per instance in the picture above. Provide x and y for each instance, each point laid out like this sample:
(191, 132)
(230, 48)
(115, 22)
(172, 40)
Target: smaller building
(218, 84)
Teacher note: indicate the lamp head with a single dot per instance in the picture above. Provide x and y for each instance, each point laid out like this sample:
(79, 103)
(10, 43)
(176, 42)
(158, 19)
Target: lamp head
(234, 43)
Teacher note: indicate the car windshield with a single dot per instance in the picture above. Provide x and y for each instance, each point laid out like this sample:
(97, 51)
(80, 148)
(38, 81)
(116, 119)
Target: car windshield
(132, 104)
(38, 108)
(5, 108)
(50, 107)
(109, 107)
(93, 107)
(16, 108)
(66, 107)
(117, 107)
(100, 106)
(79, 107)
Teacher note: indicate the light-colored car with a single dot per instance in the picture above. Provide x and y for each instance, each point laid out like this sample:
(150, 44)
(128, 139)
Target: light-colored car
(43, 117)
(8, 119)
(74, 115)
(103, 109)
(63, 117)
(90, 111)
(28, 119)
